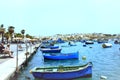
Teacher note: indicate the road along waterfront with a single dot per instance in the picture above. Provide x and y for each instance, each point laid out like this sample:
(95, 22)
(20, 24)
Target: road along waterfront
(8, 67)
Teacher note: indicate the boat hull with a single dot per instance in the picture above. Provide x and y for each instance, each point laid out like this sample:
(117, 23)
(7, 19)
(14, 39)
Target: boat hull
(106, 45)
(61, 56)
(87, 72)
(89, 42)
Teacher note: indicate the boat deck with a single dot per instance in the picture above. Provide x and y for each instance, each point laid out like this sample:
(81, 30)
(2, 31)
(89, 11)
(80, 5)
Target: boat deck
(59, 69)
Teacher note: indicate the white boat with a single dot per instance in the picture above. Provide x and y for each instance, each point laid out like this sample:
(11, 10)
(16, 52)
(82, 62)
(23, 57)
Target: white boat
(106, 45)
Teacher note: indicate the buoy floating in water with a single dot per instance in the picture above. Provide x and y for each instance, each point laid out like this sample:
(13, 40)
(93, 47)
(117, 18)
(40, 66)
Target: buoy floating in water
(103, 78)
(84, 58)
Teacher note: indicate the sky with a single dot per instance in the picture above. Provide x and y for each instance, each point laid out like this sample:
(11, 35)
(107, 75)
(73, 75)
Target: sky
(50, 17)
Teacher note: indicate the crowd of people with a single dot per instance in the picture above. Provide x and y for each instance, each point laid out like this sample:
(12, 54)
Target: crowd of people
(6, 50)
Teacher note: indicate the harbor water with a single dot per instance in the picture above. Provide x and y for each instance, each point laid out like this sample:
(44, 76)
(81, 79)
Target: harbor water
(106, 61)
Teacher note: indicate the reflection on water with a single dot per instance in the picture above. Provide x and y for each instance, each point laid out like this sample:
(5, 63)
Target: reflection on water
(106, 61)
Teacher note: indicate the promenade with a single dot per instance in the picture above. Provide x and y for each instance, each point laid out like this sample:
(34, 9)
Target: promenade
(8, 65)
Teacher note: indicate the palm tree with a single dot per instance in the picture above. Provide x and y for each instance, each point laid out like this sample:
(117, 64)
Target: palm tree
(27, 36)
(11, 31)
(2, 31)
(23, 32)
(18, 35)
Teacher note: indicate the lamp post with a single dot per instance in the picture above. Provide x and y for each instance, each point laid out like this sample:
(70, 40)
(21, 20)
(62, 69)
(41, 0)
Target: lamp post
(26, 54)
(30, 47)
(17, 70)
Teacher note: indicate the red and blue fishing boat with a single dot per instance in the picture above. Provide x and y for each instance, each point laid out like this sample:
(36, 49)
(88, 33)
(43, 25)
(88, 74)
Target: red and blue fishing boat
(62, 72)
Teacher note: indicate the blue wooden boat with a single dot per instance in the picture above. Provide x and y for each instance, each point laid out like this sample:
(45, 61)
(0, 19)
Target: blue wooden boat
(62, 72)
(50, 50)
(117, 42)
(60, 41)
(89, 42)
(102, 40)
(52, 47)
(62, 56)
(84, 45)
